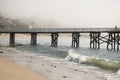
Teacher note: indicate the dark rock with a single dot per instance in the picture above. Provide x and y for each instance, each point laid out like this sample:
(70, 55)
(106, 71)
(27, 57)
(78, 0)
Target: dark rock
(64, 76)
(76, 69)
(1, 51)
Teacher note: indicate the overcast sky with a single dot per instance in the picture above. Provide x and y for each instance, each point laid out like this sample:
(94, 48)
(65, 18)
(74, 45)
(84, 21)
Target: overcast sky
(88, 13)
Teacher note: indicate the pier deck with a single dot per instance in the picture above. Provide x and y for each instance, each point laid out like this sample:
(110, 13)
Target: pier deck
(112, 38)
(58, 30)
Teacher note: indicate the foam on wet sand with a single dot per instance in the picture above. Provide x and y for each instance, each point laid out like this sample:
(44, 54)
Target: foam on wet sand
(55, 69)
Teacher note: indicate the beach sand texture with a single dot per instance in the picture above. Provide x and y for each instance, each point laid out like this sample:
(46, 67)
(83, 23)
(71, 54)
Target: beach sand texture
(50, 68)
(11, 71)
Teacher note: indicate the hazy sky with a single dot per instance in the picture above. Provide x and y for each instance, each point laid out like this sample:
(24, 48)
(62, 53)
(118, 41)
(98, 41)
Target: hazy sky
(70, 12)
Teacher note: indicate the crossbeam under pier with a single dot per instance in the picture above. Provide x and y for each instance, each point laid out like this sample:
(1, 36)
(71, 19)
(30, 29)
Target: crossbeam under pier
(95, 40)
(113, 41)
(75, 40)
(54, 39)
(12, 39)
(33, 38)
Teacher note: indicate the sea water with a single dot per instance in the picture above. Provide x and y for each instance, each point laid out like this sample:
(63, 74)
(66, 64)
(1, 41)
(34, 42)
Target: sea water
(38, 54)
(64, 47)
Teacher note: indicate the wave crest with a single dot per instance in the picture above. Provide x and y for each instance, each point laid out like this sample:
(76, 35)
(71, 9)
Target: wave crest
(76, 57)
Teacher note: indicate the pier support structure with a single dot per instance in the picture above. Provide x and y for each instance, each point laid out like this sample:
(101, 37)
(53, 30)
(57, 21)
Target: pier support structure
(33, 38)
(113, 41)
(54, 39)
(12, 39)
(75, 40)
(95, 40)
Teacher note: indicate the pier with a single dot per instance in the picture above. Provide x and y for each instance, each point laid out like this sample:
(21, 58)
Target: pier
(112, 37)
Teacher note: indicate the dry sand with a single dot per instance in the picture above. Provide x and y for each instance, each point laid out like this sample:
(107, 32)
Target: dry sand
(11, 71)
(50, 68)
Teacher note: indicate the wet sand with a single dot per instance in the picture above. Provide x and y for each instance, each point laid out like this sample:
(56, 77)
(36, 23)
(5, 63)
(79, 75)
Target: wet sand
(51, 68)
(11, 71)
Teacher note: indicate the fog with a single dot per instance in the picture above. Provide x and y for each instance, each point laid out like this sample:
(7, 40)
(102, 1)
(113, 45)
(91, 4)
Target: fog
(75, 13)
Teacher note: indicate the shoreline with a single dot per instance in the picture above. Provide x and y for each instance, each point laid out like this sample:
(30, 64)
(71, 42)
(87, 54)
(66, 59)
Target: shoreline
(53, 69)
(12, 71)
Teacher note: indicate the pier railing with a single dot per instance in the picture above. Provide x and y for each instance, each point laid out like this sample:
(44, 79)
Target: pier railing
(58, 30)
(112, 38)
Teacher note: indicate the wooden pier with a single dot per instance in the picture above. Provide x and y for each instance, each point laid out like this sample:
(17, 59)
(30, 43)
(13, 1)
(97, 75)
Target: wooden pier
(112, 37)
(33, 38)
(95, 40)
(75, 39)
(54, 39)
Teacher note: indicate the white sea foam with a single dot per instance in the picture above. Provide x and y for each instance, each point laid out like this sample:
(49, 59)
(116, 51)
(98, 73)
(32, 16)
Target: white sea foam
(76, 57)
(44, 65)
(118, 72)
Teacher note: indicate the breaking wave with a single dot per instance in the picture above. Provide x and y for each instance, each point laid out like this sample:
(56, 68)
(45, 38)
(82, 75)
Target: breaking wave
(76, 57)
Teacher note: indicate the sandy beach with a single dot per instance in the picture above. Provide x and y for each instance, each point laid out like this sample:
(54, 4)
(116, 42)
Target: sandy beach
(26, 65)
(11, 71)
(50, 68)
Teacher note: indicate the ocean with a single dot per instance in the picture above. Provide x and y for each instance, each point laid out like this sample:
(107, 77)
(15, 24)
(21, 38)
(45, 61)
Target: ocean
(62, 62)
(64, 46)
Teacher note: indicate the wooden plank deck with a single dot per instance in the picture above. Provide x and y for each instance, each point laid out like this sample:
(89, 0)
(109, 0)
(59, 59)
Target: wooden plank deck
(58, 30)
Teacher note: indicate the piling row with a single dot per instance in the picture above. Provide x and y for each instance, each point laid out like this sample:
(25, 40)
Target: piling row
(54, 39)
(75, 40)
(112, 40)
(95, 40)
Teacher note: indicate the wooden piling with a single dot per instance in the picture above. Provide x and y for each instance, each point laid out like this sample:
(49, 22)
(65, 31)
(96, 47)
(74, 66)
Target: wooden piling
(113, 41)
(118, 39)
(33, 38)
(54, 39)
(12, 39)
(95, 40)
(75, 40)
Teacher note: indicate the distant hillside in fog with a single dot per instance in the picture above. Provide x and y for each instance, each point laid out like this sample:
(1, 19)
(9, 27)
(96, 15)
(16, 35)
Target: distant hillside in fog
(38, 22)
(24, 22)
(10, 23)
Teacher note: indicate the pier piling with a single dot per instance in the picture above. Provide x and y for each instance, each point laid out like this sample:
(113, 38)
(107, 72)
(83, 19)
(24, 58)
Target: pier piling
(98, 36)
(113, 41)
(95, 40)
(12, 39)
(75, 40)
(33, 38)
(54, 39)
